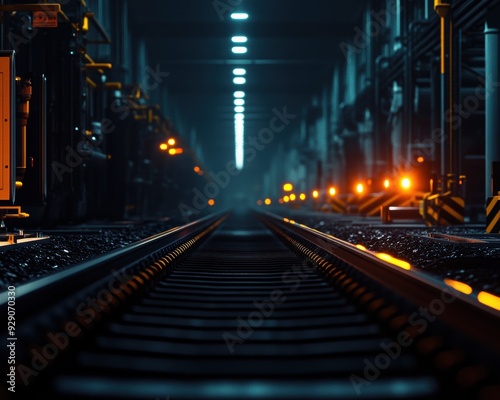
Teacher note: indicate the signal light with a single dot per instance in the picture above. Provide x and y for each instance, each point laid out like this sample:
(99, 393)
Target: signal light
(332, 191)
(315, 194)
(360, 188)
(405, 183)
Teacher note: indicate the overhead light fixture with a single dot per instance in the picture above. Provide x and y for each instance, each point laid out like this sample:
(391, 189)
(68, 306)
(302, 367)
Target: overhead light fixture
(239, 49)
(239, 94)
(239, 39)
(239, 102)
(239, 71)
(239, 80)
(239, 139)
(239, 116)
(239, 16)
(239, 109)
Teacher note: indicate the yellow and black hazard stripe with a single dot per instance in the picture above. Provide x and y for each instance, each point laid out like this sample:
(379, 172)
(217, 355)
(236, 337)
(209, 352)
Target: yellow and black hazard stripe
(338, 205)
(371, 207)
(442, 210)
(493, 214)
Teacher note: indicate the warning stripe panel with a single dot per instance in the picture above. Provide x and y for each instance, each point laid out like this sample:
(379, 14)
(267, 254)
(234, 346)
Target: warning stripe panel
(444, 210)
(337, 205)
(372, 207)
(493, 215)
(492, 204)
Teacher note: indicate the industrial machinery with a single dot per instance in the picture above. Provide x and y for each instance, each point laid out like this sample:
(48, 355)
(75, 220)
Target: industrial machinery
(75, 145)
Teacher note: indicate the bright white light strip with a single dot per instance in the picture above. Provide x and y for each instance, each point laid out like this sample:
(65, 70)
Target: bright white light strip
(239, 102)
(239, 94)
(239, 15)
(239, 49)
(239, 136)
(239, 116)
(239, 71)
(239, 39)
(239, 109)
(239, 80)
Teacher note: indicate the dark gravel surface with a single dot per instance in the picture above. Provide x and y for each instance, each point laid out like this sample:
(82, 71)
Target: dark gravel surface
(476, 265)
(61, 251)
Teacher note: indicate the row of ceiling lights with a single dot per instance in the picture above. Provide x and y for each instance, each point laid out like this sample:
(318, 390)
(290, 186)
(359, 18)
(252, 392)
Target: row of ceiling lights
(239, 47)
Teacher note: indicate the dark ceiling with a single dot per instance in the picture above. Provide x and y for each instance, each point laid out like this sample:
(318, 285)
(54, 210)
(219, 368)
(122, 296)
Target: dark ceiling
(292, 47)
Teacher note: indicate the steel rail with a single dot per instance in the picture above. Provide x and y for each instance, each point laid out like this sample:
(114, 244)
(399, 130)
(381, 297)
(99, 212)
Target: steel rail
(56, 303)
(463, 312)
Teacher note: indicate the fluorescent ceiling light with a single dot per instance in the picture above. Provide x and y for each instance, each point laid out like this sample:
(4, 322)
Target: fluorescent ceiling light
(239, 49)
(239, 109)
(239, 94)
(239, 116)
(239, 71)
(239, 80)
(239, 145)
(239, 16)
(239, 39)
(239, 102)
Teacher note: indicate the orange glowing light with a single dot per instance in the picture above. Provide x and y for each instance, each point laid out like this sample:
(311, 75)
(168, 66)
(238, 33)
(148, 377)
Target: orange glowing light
(405, 183)
(361, 247)
(280, 201)
(175, 151)
(211, 202)
(315, 194)
(286, 199)
(387, 183)
(332, 191)
(163, 146)
(489, 300)
(420, 159)
(460, 286)
(267, 202)
(302, 196)
(197, 169)
(259, 202)
(287, 187)
(394, 261)
(171, 142)
(360, 188)
(292, 197)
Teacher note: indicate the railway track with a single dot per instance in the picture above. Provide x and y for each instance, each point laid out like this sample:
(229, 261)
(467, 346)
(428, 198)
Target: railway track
(250, 306)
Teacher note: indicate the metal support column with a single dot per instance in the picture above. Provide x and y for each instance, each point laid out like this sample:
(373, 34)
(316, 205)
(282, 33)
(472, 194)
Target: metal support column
(492, 89)
(443, 9)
